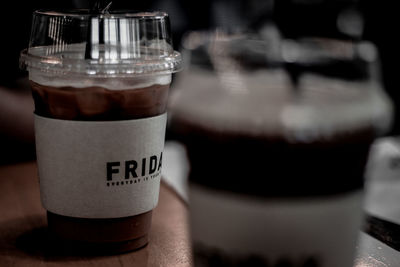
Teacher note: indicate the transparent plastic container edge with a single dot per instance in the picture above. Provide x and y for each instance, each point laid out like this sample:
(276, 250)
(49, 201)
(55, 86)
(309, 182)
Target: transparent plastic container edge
(112, 44)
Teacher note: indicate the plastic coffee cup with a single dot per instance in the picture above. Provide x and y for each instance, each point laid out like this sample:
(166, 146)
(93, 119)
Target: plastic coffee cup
(100, 85)
(276, 147)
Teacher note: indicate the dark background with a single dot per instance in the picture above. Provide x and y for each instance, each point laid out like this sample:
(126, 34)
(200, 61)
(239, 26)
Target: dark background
(293, 17)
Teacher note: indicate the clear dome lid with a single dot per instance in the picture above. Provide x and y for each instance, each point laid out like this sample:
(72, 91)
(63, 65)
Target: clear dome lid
(115, 43)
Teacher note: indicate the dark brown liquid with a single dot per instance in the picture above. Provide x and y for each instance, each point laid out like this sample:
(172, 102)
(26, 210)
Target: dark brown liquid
(272, 166)
(101, 104)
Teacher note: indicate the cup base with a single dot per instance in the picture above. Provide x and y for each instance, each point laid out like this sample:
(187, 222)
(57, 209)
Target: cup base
(102, 236)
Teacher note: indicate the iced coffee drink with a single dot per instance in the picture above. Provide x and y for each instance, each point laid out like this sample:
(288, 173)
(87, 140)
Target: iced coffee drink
(100, 118)
(276, 165)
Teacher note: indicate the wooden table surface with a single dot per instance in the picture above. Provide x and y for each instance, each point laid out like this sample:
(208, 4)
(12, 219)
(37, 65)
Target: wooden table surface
(23, 232)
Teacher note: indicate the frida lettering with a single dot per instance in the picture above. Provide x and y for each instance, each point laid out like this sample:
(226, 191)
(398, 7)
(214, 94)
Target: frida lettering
(134, 168)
